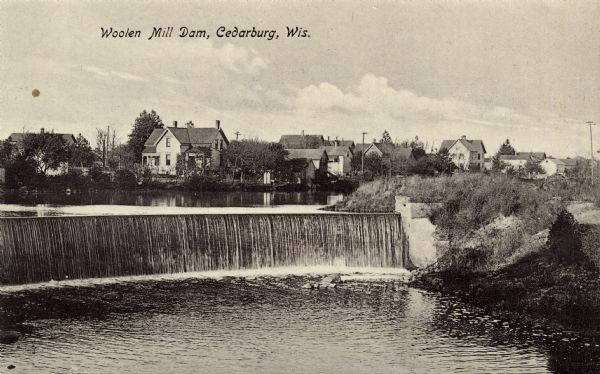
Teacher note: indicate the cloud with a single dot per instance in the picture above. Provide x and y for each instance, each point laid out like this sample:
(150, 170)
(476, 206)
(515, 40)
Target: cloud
(109, 73)
(127, 76)
(374, 96)
(239, 59)
(92, 69)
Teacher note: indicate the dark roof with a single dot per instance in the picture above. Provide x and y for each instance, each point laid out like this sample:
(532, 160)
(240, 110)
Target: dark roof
(569, 161)
(474, 145)
(154, 136)
(536, 155)
(522, 157)
(149, 149)
(387, 149)
(360, 147)
(307, 153)
(402, 153)
(336, 151)
(18, 137)
(345, 143)
(187, 136)
(302, 141)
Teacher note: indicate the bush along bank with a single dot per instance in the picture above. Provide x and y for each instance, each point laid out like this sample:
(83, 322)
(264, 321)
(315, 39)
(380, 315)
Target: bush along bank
(512, 246)
(558, 281)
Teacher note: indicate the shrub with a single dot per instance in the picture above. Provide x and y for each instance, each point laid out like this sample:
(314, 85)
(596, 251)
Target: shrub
(590, 244)
(125, 179)
(564, 240)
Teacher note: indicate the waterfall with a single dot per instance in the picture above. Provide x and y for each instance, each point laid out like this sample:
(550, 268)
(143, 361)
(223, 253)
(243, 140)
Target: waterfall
(56, 248)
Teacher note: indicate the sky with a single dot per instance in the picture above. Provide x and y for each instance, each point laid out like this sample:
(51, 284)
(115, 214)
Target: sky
(528, 71)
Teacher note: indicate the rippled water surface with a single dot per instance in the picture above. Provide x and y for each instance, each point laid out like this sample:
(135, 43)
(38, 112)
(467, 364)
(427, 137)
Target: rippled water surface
(272, 325)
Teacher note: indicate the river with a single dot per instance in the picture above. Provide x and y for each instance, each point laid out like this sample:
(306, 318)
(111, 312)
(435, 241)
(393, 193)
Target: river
(253, 320)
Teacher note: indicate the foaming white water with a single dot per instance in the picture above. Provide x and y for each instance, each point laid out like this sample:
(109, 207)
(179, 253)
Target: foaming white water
(348, 273)
(99, 210)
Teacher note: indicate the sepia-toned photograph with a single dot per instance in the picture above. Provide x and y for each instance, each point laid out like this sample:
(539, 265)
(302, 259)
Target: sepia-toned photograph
(343, 186)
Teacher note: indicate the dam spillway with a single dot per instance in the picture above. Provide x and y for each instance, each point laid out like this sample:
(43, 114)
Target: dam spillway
(56, 248)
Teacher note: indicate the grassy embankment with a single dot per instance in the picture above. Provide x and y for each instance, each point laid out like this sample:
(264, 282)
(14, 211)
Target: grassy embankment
(512, 244)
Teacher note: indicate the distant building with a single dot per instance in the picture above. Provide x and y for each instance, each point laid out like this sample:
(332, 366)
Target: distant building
(465, 153)
(518, 160)
(202, 146)
(570, 163)
(340, 157)
(305, 163)
(17, 140)
(553, 166)
(302, 141)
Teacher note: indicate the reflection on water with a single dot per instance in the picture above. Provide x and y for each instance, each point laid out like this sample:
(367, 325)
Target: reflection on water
(115, 202)
(173, 198)
(271, 325)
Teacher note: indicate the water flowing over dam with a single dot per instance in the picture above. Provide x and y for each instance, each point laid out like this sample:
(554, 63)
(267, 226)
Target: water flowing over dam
(57, 248)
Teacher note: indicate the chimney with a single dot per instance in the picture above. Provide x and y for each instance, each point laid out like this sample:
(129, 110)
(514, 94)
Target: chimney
(327, 137)
(464, 137)
(42, 130)
(218, 124)
(374, 140)
(175, 124)
(302, 132)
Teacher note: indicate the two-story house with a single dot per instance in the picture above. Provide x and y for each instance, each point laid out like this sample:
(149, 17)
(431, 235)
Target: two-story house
(340, 157)
(201, 146)
(465, 153)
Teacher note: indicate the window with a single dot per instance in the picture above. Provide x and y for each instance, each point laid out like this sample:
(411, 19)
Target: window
(479, 156)
(168, 159)
(168, 142)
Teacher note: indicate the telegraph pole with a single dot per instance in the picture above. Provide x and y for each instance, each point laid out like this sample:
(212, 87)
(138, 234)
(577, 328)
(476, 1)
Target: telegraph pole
(362, 161)
(237, 135)
(590, 124)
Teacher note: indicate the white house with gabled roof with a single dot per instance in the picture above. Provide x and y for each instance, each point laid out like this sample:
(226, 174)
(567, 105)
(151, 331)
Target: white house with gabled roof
(202, 146)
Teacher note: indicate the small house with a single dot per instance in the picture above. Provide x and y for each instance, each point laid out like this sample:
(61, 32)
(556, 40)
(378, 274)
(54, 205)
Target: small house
(466, 154)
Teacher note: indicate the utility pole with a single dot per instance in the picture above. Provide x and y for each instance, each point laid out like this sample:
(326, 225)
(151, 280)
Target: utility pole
(590, 124)
(362, 161)
(237, 135)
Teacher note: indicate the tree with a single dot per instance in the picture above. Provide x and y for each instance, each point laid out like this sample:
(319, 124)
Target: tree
(356, 162)
(46, 151)
(189, 124)
(386, 138)
(532, 168)
(506, 149)
(142, 128)
(254, 157)
(442, 162)
(374, 163)
(6, 152)
(81, 152)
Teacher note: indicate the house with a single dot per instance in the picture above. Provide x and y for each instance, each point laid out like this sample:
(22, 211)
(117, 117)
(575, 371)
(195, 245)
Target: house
(17, 140)
(570, 164)
(201, 146)
(465, 153)
(302, 141)
(488, 163)
(553, 166)
(306, 162)
(340, 157)
(518, 160)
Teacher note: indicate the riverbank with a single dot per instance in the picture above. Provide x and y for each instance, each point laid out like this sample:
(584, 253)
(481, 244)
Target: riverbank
(511, 246)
